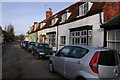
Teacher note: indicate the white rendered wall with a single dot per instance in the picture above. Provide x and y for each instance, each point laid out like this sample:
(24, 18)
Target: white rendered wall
(97, 32)
(44, 31)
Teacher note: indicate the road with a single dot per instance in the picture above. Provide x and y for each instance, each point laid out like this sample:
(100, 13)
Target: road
(18, 63)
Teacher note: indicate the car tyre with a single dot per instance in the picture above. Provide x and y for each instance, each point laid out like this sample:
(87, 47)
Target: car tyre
(51, 67)
(32, 52)
(80, 78)
(37, 56)
(27, 50)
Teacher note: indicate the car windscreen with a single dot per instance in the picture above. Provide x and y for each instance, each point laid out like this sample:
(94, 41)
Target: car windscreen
(31, 43)
(43, 46)
(108, 58)
(25, 42)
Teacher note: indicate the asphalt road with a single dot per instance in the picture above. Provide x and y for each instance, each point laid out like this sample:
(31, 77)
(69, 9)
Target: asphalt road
(18, 63)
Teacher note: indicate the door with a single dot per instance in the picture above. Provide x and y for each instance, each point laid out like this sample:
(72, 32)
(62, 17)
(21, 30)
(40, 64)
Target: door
(108, 64)
(60, 58)
(74, 63)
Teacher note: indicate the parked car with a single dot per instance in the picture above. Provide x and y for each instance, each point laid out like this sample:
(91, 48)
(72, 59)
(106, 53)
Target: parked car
(42, 50)
(82, 62)
(24, 44)
(29, 46)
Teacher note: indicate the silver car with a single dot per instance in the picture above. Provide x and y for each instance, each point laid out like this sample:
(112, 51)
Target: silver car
(82, 62)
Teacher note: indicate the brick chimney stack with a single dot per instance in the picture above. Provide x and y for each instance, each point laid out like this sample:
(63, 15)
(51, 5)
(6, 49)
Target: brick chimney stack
(35, 23)
(48, 13)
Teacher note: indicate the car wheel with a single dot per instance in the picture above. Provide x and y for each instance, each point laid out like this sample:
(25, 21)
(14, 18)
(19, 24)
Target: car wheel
(27, 50)
(51, 67)
(80, 78)
(32, 52)
(37, 56)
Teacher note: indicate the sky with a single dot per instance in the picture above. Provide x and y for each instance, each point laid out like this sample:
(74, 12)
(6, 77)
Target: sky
(23, 14)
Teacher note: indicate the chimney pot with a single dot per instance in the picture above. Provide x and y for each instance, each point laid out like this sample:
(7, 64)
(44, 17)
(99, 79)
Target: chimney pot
(48, 13)
(35, 23)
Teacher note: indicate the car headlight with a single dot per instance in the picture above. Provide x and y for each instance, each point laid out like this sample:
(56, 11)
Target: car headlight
(41, 53)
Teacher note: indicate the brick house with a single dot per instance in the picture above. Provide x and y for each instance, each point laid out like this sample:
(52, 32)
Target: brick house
(112, 25)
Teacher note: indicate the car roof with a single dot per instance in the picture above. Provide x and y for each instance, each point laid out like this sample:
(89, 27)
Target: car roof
(25, 41)
(90, 47)
(42, 43)
(31, 42)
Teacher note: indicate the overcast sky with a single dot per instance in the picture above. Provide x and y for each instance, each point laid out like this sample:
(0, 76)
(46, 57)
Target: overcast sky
(23, 14)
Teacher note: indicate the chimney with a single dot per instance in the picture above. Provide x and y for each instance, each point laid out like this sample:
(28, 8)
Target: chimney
(48, 13)
(35, 23)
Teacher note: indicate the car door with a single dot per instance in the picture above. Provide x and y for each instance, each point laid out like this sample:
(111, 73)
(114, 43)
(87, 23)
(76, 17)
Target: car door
(74, 62)
(109, 64)
(34, 47)
(60, 58)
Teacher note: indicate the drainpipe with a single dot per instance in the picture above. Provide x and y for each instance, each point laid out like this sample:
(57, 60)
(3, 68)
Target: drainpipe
(57, 39)
(100, 15)
(105, 32)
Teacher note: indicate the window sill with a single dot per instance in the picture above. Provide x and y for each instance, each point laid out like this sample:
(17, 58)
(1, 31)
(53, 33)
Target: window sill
(81, 15)
(62, 21)
(62, 45)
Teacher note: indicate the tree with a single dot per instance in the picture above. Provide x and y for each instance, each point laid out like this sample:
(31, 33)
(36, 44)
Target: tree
(19, 37)
(10, 32)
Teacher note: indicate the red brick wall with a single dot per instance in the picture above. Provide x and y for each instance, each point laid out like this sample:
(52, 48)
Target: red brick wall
(110, 10)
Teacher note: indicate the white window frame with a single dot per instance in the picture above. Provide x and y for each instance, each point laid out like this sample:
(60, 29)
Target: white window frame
(53, 21)
(112, 39)
(83, 8)
(42, 24)
(36, 25)
(65, 16)
(81, 37)
(51, 38)
(62, 40)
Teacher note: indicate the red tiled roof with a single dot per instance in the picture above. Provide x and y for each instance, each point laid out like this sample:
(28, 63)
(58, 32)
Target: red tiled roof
(97, 7)
(74, 9)
(32, 29)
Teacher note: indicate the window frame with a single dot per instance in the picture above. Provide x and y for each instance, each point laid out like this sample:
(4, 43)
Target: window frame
(81, 49)
(53, 21)
(51, 39)
(82, 9)
(64, 17)
(112, 39)
(62, 40)
(59, 54)
(82, 38)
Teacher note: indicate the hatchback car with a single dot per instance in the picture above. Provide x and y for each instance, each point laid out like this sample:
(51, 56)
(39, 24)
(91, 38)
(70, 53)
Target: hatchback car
(42, 50)
(24, 44)
(82, 62)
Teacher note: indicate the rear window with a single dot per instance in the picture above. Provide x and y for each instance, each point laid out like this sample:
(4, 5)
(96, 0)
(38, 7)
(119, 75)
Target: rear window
(109, 58)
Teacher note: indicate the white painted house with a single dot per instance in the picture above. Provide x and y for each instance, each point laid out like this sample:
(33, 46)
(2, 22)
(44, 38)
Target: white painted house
(79, 23)
(74, 26)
